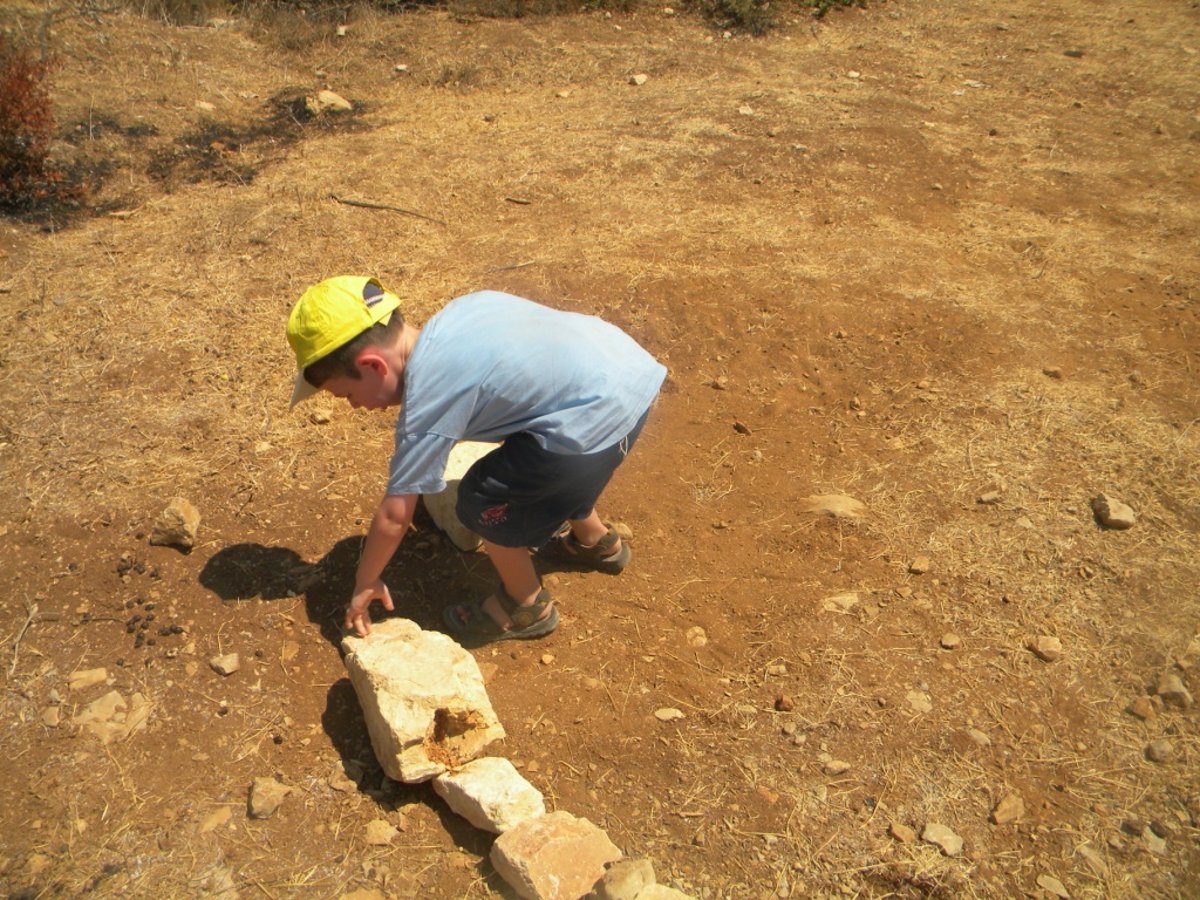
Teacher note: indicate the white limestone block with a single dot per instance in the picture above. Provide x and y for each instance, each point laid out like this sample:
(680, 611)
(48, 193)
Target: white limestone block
(441, 506)
(423, 699)
(490, 794)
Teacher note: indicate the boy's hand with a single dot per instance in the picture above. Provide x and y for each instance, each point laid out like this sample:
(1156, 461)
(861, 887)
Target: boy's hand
(357, 618)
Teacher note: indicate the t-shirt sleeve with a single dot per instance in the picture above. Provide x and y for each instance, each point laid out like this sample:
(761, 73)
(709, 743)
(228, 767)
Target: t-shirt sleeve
(419, 464)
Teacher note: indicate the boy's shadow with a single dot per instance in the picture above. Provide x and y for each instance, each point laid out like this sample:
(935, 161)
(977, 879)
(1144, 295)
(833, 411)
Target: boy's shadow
(425, 574)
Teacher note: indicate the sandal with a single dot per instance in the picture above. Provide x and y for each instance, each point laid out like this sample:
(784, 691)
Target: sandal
(530, 621)
(564, 549)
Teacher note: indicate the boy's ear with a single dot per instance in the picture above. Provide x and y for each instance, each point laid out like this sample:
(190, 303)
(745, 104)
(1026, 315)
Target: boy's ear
(370, 359)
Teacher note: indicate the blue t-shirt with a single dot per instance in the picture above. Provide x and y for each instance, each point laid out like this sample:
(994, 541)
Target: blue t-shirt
(490, 365)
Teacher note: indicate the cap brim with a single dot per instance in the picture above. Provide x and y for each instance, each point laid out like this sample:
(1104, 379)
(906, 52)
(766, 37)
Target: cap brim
(301, 390)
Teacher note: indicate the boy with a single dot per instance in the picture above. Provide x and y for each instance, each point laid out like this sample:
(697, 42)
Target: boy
(566, 393)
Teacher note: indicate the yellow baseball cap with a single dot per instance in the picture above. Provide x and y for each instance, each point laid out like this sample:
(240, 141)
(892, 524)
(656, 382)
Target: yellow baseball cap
(330, 314)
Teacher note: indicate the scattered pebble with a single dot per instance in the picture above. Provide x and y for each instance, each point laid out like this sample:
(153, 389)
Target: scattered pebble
(266, 796)
(696, 636)
(1046, 647)
(86, 678)
(919, 565)
(638, 79)
(902, 833)
(226, 664)
(1112, 513)
(1160, 751)
(1094, 860)
(990, 498)
(380, 832)
(1053, 886)
(1172, 691)
(837, 767)
(1142, 708)
(1153, 842)
(547, 658)
(943, 837)
(1009, 809)
(840, 603)
(784, 703)
(978, 738)
(1053, 372)
(919, 701)
(668, 714)
(950, 641)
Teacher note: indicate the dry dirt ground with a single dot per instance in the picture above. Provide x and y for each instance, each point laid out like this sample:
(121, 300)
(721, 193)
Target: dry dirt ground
(916, 254)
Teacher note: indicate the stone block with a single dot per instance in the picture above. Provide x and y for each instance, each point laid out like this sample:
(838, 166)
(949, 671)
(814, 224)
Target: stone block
(422, 697)
(490, 794)
(441, 506)
(553, 857)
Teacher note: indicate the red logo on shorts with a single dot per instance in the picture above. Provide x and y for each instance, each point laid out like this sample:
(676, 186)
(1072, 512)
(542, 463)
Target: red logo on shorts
(495, 515)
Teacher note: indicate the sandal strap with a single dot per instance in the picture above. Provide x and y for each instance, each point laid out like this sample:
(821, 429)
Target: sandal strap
(598, 550)
(523, 616)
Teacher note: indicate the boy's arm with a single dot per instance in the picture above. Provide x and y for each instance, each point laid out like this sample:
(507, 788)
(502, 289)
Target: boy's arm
(388, 528)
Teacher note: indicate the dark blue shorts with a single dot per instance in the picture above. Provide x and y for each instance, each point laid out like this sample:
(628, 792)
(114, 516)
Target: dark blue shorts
(520, 494)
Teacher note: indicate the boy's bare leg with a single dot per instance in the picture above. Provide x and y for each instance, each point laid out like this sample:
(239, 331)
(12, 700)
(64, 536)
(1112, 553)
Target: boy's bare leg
(589, 531)
(515, 567)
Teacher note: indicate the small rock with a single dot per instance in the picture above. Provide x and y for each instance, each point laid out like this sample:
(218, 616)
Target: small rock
(638, 79)
(1054, 372)
(626, 879)
(380, 832)
(1009, 809)
(840, 603)
(1160, 751)
(991, 498)
(1094, 860)
(226, 664)
(85, 678)
(745, 111)
(784, 703)
(668, 714)
(215, 819)
(1142, 708)
(902, 833)
(839, 506)
(1046, 647)
(943, 837)
(1052, 885)
(51, 716)
(176, 525)
(837, 767)
(547, 659)
(1153, 842)
(919, 701)
(950, 641)
(978, 738)
(1172, 691)
(919, 565)
(266, 795)
(327, 101)
(696, 636)
(204, 106)
(1112, 513)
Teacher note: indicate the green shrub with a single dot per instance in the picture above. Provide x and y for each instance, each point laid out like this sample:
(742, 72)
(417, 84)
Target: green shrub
(27, 178)
(753, 16)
